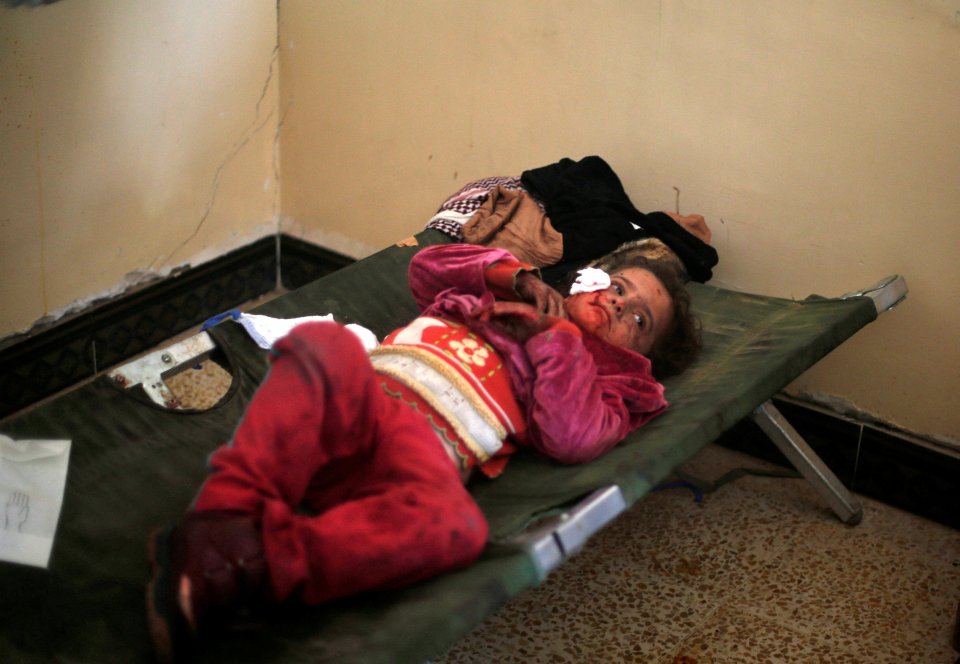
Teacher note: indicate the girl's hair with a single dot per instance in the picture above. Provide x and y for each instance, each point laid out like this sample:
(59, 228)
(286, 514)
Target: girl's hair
(679, 344)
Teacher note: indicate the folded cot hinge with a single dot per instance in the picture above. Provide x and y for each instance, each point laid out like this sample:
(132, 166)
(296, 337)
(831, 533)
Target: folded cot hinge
(150, 370)
(559, 537)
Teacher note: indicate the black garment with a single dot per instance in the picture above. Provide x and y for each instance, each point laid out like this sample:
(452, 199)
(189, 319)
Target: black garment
(587, 205)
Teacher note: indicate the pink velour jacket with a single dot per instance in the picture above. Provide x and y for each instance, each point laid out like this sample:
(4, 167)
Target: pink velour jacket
(580, 394)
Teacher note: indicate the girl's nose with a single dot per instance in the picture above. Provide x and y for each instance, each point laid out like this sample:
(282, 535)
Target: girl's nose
(615, 301)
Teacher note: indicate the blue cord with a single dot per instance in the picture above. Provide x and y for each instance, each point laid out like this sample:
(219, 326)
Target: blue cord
(697, 492)
(233, 314)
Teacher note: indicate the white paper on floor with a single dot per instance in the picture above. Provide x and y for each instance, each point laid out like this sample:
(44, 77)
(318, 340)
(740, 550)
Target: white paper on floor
(32, 478)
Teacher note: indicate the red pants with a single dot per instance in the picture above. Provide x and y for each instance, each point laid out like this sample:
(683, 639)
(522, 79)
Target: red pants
(352, 487)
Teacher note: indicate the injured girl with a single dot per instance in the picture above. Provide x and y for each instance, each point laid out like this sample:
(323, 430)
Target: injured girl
(347, 471)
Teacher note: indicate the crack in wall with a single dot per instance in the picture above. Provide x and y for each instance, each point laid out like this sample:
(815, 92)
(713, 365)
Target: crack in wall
(275, 206)
(275, 164)
(251, 130)
(41, 212)
(275, 157)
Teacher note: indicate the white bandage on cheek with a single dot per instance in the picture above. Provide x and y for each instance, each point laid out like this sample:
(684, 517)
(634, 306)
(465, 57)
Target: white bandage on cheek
(590, 279)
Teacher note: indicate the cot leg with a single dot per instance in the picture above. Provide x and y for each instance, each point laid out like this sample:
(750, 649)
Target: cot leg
(805, 460)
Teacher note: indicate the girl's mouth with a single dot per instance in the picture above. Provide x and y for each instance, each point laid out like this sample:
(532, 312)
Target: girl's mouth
(600, 308)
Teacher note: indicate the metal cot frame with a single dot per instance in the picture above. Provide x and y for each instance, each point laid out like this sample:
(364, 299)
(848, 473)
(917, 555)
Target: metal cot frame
(129, 476)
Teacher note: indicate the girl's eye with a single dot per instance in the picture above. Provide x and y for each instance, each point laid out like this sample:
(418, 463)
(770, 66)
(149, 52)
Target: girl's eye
(639, 319)
(618, 289)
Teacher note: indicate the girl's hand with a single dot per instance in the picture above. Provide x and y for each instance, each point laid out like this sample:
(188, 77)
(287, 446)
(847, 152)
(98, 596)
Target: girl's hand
(539, 295)
(517, 319)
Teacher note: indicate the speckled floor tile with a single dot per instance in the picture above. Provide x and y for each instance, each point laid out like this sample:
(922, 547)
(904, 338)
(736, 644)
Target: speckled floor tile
(577, 615)
(866, 591)
(734, 637)
(761, 571)
(888, 587)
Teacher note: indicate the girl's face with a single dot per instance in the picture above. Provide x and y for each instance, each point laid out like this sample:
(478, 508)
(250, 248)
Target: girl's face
(632, 313)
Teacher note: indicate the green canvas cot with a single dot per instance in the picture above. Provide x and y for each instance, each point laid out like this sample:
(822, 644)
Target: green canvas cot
(135, 465)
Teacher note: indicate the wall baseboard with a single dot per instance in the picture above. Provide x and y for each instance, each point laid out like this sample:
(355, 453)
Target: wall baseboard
(38, 365)
(868, 459)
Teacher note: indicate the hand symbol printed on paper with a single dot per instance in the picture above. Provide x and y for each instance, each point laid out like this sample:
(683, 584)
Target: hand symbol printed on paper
(16, 511)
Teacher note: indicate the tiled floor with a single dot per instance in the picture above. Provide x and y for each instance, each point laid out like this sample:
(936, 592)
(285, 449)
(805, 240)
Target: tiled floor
(760, 571)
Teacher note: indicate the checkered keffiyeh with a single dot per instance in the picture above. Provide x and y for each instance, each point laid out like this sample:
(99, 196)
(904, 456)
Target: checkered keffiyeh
(457, 210)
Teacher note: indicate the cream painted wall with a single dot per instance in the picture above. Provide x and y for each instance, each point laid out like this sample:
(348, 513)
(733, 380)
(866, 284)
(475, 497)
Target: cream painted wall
(821, 140)
(135, 137)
